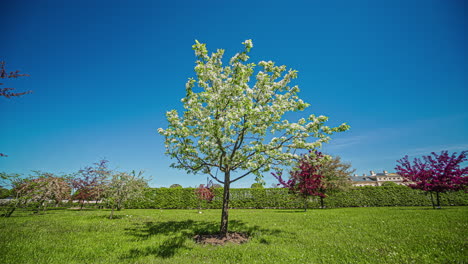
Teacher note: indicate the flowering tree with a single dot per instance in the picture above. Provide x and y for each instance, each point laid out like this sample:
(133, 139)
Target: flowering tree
(13, 180)
(58, 188)
(305, 180)
(435, 173)
(47, 186)
(7, 92)
(43, 187)
(235, 125)
(123, 187)
(205, 193)
(39, 188)
(90, 182)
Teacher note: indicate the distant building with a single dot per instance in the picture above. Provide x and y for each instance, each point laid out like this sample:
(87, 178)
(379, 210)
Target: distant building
(376, 179)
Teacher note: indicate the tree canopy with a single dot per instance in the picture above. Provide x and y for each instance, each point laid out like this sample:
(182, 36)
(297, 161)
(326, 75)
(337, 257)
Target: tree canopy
(234, 122)
(436, 172)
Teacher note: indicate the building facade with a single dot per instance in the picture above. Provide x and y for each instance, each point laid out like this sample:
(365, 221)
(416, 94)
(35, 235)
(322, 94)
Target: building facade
(377, 179)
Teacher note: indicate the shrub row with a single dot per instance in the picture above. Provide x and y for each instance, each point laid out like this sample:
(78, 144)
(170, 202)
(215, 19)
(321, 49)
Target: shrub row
(184, 198)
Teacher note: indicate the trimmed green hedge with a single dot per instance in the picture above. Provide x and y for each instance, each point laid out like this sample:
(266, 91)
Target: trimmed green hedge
(171, 198)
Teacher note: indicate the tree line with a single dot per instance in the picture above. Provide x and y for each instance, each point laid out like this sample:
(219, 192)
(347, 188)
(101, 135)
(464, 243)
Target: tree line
(93, 183)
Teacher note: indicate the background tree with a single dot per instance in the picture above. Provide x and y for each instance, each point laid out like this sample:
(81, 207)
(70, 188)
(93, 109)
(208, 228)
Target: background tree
(205, 193)
(306, 179)
(435, 173)
(40, 188)
(336, 176)
(256, 185)
(90, 183)
(175, 185)
(12, 181)
(7, 92)
(123, 187)
(57, 188)
(389, 184)
(259, 182)
(4, 193)
(233, 125)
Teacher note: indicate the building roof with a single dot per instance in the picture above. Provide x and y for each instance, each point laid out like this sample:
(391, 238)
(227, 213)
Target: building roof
(372, 177)
(363, 179)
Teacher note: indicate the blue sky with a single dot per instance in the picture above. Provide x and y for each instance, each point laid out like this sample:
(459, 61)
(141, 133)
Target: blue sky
(105, 72)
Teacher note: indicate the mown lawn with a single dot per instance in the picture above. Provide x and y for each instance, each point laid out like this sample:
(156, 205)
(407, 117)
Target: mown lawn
(347, 235)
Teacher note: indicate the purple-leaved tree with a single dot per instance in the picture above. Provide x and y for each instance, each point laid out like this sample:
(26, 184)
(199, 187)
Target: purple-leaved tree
(205, 193)
(435, 173)
(90, 183)
(305, 180)
(8, 92)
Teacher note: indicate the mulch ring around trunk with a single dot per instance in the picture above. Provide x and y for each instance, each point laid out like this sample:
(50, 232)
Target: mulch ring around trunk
(235, 238)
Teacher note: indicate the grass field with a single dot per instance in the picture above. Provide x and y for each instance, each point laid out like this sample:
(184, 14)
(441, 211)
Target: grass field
(347, 235)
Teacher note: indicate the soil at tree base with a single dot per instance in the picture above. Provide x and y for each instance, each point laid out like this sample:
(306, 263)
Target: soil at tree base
(234, 237)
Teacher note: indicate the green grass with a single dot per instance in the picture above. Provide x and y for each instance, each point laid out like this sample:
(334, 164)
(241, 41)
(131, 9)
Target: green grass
(347, 235)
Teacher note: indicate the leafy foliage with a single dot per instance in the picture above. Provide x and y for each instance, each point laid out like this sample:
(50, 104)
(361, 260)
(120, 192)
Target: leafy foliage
(4, 193)
(256, 185)
(435, 173)
(389, 184)
(167, 198)
(336, 176)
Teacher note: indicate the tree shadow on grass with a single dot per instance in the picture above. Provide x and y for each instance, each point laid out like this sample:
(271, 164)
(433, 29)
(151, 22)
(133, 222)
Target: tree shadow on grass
(106, 216)
(421, 208)
(293, 211)
(178, 233)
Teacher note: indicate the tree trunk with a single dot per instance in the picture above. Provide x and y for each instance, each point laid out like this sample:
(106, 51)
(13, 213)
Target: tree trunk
(225, 214)
(119, 205)
(10, 212)
(305, 204)
(12, 209)
(41, 204)
(438, 200)
(432, 200)
(322, 205)
(112, 213)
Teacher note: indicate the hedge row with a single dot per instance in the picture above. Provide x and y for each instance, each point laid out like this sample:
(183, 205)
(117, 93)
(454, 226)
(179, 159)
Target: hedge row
(178, 198)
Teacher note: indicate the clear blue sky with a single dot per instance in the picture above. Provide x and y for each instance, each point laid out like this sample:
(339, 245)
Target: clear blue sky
(105, 72)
